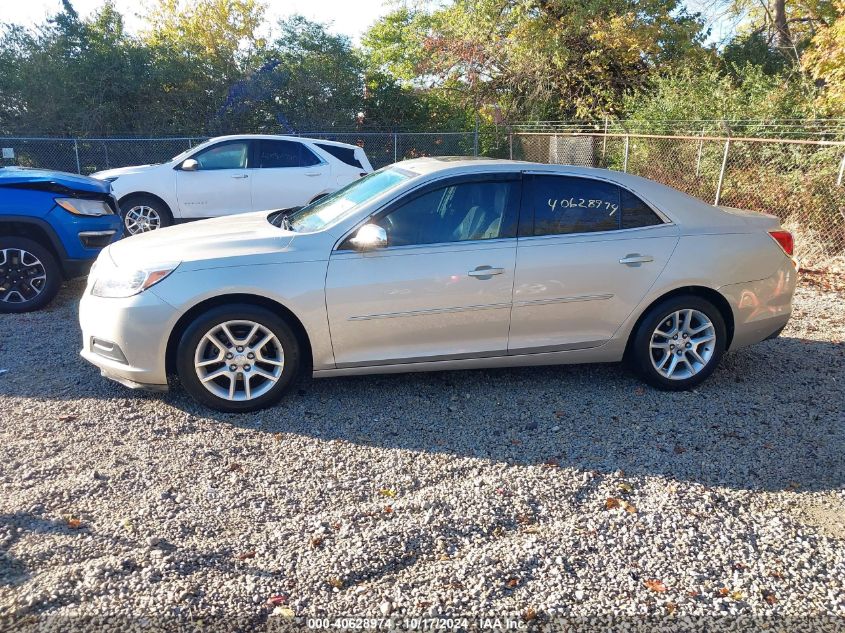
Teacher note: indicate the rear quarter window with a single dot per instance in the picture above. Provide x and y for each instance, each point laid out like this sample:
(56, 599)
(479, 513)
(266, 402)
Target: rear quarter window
(568, 204)
(343, 154)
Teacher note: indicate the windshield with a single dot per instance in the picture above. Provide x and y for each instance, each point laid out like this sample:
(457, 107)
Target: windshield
(342, 202)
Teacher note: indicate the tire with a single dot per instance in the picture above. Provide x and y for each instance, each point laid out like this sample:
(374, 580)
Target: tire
(30, 276)
(278, 357)
(142, 213)
(657, 365)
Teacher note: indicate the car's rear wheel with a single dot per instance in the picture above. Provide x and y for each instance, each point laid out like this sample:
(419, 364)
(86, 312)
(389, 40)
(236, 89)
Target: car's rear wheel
(30, 276)
(142, 214)
(679, 343)
(238, 358)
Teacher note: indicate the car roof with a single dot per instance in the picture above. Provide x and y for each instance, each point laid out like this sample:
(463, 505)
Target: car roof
(277, 137)
(676, 205)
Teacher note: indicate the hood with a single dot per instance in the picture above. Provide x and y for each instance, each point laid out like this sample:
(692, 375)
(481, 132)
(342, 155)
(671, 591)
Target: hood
(219, 238)
(122, 171)
(60, 182)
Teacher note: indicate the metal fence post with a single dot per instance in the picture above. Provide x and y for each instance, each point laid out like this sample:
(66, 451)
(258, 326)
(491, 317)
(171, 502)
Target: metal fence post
(722, 172)
(604, 142)
(841, 171)
(395, 147)
(625, 162)
(76, 153)
(510, 143)
(698, 159)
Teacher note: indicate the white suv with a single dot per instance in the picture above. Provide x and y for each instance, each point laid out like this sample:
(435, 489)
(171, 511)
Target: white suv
(233, 174)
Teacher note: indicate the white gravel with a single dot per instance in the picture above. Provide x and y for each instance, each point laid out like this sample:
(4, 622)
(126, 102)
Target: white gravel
(546, 495)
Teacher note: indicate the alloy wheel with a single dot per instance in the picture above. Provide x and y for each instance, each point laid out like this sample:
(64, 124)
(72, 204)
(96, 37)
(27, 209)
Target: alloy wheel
(239, 360)
(141, 219)
(682, 344)
(22, 276)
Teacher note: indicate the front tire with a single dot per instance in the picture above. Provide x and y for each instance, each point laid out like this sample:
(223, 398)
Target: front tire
(679, 343)
(238, 358)
(142, 214)
(30, 276)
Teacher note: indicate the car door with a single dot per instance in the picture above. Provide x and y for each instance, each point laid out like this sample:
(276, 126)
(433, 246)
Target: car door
(442, 287)
(288, 174)
(588, 253)
(220, 184)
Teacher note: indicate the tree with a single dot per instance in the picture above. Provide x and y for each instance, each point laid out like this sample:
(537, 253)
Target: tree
(826, 61)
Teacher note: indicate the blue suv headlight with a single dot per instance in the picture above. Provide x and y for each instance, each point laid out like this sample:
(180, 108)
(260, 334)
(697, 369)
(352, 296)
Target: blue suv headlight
(85, 206)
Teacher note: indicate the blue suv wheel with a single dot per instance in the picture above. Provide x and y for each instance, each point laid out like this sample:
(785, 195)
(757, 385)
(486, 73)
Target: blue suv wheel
(30, 276)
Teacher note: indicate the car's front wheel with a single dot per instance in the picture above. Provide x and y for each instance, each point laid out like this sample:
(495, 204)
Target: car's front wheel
(238, 358)
(142, 214)
(30, 276)
(679, 343)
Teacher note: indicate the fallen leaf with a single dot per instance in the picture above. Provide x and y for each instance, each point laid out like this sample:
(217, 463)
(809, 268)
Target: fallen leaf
(655, 585)
(245, 555)
(277, 600)
(512, 582)
(740, 566)
(235, 467)
(724, 591)
(74, 524)
(285, 612)
(388, 509)
(626, 487)
(769, 597)
(67, 418)
(671, 607)
(316, 541)
(612, 503)
(337, 583)
(454, 584)
(524, 519)
(736, 595)
(629, 507)
(387, 492)
(679, 450)
(529, 614)
(777, 575)
(444, 557)
(693, 594)
(552, 461)
(278, 437)
(423, 604)
(336, 526)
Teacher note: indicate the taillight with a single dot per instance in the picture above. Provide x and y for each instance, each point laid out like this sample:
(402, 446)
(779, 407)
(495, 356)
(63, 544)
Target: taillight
(784, 239)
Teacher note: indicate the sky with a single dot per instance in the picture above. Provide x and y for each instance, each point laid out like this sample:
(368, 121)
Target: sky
(349, 17)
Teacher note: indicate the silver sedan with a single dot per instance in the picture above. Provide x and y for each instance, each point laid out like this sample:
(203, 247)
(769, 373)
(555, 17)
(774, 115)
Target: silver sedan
(436, 264)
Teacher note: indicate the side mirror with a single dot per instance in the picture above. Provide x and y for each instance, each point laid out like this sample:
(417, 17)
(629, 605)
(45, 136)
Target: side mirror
(189, 164)
(369, 237)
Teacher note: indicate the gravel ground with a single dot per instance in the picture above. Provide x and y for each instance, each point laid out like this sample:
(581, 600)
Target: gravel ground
(537, 494)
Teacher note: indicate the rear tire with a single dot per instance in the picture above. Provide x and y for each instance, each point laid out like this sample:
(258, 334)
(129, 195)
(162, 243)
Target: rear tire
(30, 276)
(143, 213)
(238, 358)
(679, 343)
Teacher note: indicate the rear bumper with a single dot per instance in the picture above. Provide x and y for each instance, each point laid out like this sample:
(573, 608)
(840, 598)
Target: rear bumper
(761, 308)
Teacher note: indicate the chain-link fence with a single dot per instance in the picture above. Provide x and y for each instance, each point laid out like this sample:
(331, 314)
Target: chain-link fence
(800, 181)
(85, 156)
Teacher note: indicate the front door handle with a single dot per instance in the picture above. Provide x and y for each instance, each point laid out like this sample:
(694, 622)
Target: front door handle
(635, 259)
(240, 176)
(485, 272)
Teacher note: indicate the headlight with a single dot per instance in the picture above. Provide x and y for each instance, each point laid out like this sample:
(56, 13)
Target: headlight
(116, 282)
(84, 206)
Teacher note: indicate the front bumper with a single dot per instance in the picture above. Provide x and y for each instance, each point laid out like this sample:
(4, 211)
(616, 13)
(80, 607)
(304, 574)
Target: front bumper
(138, 326)
(761, 308)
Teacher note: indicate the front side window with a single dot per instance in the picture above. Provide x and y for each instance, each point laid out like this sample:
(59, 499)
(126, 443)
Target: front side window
(224, 156)
(277, 154)
(567, 204)
(457, 213)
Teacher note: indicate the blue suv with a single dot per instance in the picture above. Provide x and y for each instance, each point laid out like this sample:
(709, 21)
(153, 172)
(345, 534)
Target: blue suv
(52, 226)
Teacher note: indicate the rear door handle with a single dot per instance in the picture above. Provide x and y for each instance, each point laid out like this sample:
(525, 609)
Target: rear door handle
(635, 259)
(485, 272)
(240, 176)
(313, 173)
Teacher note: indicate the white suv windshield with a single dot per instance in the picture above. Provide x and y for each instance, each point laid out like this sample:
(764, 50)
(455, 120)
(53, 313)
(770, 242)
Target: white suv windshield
(335, 206)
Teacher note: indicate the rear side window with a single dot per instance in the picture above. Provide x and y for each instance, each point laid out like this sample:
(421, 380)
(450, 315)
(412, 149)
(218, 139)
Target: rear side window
(343, 154)
(566, 204)
(276, 154)
(636, 213)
